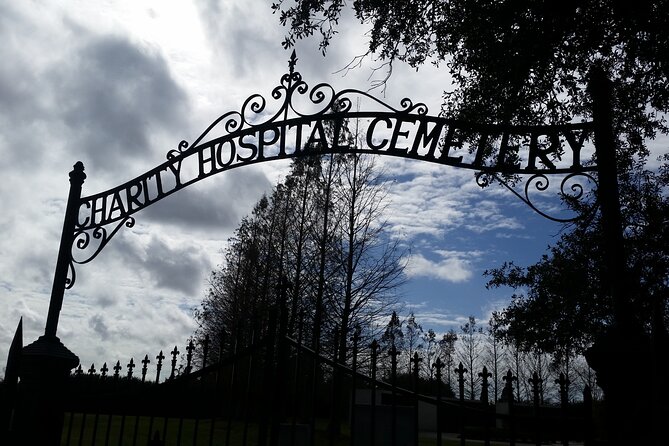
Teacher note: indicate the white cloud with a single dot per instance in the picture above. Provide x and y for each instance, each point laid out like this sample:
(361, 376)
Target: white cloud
(433, 200)
(451, 266)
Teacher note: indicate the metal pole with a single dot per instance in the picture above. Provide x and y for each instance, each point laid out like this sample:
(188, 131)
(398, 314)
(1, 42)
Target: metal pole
(77, 177)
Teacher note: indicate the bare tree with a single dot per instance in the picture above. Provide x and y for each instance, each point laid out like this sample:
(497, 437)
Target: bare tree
(302, 211)
(470, 352)
(494, 350)
(447, 351)
(518, 365)
(430, 352)
(370, 267)
(392, 336)
(539, 363)
(412, 338)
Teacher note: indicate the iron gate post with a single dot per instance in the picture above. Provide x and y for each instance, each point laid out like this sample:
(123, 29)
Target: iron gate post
(46, 363)
(60, 281)
(627, 409)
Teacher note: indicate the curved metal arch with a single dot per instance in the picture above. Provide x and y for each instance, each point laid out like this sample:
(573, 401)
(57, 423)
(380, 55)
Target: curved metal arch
(297, 126)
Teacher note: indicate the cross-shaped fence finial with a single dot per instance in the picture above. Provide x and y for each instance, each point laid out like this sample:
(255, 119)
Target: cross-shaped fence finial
(461, 370)
(508, 386)
(131, 365)
(159, 365)
(438, 365)
(563, 382)
(536, 382)
(416, 360)
(484, 375)
(117, 369)
(356, 335)
(174, 354)
(145, 366)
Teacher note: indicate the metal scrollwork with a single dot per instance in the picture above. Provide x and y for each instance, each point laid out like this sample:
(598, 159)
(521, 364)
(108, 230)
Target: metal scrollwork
(292, 121)
(294, 98)
(484, 179)
(409, 107)
(83, 243)
(577, 189)
(183, 145)
(71, 275)
(571, 190)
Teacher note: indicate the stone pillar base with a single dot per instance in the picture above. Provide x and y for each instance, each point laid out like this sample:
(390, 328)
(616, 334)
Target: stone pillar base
(45, 367)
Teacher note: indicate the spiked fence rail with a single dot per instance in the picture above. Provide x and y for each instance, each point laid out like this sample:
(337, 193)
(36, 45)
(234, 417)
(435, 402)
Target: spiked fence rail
(277, 391)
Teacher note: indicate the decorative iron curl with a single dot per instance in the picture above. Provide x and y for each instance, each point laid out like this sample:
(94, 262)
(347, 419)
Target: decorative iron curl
(285, 81)
(323, 96)
(319, 95)
(231, 120)
(292, 79)
(183, 146)
(409, 107)
(301, 87)
(483, 179)
(256, 103)
(540, 182)
(576, 188)
(71, 275)
(290, 82)
(82, 241)
(278, 92)
(344, 104)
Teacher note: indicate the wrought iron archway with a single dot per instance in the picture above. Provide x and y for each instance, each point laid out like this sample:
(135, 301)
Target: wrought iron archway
(296, 127)
(310, 121)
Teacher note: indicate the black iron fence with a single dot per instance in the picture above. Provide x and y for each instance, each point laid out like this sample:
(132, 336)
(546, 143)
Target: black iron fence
(277, 391)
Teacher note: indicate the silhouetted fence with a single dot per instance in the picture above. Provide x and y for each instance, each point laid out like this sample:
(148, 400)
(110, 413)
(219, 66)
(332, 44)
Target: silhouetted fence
(278, 391)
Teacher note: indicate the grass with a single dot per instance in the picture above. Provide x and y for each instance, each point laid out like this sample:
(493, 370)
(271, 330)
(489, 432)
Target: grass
(131, 430)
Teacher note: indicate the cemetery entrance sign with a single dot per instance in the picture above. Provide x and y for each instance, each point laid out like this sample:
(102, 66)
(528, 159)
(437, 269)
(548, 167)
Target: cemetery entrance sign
(319, 120)
(408, 133)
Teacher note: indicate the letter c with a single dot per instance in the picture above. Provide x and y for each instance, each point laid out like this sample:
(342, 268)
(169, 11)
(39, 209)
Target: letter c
(370, 132)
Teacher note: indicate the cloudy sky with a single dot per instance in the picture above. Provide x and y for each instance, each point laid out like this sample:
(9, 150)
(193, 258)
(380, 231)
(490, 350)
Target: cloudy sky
(117, 85)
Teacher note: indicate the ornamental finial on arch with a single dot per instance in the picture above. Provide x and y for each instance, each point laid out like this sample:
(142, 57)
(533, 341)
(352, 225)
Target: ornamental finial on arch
(292, 62)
